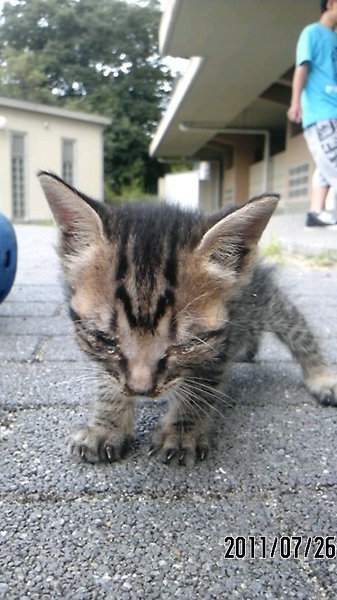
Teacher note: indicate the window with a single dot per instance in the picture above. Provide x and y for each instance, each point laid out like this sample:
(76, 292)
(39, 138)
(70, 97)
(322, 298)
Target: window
(68, 161)
(18, 175)
(298, 180)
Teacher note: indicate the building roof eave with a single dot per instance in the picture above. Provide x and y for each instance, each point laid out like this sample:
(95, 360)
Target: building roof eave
(45, 109)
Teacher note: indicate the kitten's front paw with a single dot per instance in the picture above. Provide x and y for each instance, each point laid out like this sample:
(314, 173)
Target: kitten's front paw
(93, 444)
(184, 447)
(323, 386)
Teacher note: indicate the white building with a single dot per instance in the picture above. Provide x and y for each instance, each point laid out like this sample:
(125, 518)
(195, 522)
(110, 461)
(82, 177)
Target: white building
(36, 136)
(229, 106)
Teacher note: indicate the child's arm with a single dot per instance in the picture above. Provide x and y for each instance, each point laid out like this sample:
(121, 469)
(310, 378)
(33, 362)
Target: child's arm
(300, 76)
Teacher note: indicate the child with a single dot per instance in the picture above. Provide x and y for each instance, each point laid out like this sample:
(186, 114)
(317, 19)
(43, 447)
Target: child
(314, 102)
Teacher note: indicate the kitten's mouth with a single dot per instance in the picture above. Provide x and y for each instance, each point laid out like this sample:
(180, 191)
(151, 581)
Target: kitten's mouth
(134, 393)
(153, 394)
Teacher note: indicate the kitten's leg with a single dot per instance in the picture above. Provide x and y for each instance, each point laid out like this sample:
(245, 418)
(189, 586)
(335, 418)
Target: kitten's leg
(293, 330)
(109, 432)
(183, 432)
(251, 349)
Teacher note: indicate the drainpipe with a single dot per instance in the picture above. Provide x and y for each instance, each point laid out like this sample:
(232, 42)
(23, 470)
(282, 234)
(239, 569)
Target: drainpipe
(189, 128)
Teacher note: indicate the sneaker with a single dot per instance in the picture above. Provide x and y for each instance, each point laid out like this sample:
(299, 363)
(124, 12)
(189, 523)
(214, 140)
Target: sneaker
(322, 219)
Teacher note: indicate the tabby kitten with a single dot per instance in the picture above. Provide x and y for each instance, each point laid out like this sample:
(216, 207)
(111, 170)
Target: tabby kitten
(165, 299)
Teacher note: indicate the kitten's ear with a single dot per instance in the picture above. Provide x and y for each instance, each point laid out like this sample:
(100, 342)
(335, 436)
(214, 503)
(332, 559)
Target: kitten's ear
(231, 240)
(74, 216)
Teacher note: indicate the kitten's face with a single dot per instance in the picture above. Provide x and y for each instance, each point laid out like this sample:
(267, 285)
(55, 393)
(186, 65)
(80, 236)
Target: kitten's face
(147, 337)
(149, 285)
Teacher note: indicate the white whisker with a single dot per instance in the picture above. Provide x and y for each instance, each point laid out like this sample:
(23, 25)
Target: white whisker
(191, 403)
(198, 404)
(200, 385)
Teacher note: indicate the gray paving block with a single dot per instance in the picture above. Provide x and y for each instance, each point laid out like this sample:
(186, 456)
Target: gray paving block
(35, 293)
(35, 325)
(18, 348)
(258, 446)
(62, 348)
(38, 384)
(99, 547)
(138, 528)
(30, 309)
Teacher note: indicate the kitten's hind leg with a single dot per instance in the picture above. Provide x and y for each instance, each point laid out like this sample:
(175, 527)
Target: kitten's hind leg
(293, 330)
(108, 434)
(250, 351)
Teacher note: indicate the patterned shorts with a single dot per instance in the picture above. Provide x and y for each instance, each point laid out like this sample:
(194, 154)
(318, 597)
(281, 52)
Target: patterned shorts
(321, 138)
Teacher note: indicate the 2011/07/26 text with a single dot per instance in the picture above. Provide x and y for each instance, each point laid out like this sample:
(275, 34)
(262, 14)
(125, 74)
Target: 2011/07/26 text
(317, 547)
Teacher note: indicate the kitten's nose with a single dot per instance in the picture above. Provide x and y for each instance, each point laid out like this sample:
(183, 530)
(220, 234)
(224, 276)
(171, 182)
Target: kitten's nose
(140, 381)
(137, 391)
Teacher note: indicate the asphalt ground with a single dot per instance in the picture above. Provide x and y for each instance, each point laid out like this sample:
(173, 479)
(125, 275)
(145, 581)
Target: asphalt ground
(257, 520)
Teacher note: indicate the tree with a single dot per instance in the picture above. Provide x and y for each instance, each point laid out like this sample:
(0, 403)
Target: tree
(100, 56)
(22, 77)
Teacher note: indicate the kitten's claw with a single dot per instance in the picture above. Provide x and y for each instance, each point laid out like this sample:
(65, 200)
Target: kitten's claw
(110, 452)
(181, 459)
(175, 446)
(327, 400)
(169, 454)
(201, 452)
(94, 444)
(81, 451)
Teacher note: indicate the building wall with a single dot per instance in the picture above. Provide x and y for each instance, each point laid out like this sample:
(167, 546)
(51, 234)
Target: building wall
(209, 187)
(289, 174)
(191, 189)
(277, 182)
(43, 150)
(181, 188)
(228, 182)
(256, 178)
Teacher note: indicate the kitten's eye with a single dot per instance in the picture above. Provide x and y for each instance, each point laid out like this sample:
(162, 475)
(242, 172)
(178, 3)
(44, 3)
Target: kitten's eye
(109, 343)
(202, 340)
(99, 340)
(161, 365)
(184, 348)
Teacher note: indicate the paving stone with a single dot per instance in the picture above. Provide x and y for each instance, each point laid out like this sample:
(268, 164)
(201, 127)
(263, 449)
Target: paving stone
(139, 528)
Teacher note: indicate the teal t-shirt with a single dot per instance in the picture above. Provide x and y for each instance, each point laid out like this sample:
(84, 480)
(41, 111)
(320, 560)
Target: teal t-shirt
(317, 44)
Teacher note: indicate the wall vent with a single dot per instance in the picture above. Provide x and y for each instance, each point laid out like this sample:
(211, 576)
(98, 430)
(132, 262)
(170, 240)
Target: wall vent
(298, 180)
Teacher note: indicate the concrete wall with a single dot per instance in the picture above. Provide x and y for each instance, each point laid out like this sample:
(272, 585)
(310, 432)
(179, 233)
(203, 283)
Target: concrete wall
(181, 188)
(192, 189)
(209, 187)
(289, 174)
(277, 176)
(43, 150)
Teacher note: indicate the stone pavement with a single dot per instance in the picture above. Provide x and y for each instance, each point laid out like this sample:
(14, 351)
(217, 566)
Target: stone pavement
(288, 229)
(142, 530)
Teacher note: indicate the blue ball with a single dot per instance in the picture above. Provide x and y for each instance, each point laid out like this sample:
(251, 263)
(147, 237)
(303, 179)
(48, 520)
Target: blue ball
(8, 256)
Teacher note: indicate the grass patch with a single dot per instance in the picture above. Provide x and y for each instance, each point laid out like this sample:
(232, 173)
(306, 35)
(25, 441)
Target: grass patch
(326, 258)
(272, 250)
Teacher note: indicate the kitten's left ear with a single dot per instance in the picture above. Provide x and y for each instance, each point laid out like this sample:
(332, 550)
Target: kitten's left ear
(233, 238)
(73, 214)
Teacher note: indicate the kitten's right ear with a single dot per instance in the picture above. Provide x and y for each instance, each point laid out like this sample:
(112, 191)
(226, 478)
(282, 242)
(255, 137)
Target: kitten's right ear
(74, 216)
(232, 241)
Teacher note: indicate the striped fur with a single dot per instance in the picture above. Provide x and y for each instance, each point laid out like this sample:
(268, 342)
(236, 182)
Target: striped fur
(165, 299)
